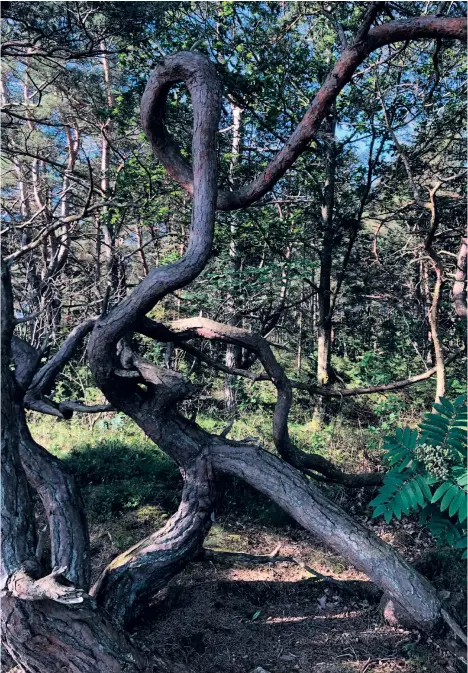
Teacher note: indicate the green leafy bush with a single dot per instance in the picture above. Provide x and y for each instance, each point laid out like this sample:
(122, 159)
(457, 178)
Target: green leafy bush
(428, 473)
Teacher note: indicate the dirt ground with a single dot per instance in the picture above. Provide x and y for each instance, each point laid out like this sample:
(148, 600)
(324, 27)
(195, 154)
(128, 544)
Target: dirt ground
(274, 618)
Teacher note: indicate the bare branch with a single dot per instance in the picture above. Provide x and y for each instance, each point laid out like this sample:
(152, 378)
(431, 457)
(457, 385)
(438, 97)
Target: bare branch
(45, 377)
(387, 387)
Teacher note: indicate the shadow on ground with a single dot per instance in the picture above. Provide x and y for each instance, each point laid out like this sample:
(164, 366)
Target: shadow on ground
(235, 620)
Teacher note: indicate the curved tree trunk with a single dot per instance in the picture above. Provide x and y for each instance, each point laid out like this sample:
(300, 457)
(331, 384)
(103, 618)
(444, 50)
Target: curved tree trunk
(184, 441)
(47, 624)
(63, 506)
(134, 577)
(150, 393)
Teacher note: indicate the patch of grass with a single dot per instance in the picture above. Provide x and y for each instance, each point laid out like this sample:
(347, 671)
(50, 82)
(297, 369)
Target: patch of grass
(120, 470)
(59, 437)
(220, 538)
(110, 460)
(116, 477)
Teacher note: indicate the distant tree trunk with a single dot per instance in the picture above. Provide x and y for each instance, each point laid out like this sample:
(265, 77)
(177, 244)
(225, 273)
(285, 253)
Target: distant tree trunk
(433, 318)
(233, 352)
(459, 286)
(324, 325)
(433, 315)
(108, 230)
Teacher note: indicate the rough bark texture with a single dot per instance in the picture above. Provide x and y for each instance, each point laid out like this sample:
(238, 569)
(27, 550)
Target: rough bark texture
(63, 506)
(133, 578)
(45, 625)
(17, 522)
(47, 637)
(182, 440)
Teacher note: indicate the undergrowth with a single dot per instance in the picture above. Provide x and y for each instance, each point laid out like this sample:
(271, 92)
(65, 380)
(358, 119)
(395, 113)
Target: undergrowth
(119, 469)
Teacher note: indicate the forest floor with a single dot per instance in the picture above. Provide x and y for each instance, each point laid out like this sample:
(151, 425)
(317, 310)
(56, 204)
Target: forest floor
(275, 617)
(245, 618)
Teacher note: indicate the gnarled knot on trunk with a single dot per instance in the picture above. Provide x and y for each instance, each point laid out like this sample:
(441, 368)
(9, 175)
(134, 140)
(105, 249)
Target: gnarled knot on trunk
(23, 586)
(170, 386)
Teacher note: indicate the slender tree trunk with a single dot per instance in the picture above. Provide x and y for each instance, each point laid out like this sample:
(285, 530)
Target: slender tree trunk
(232, 352)
(433, 324)
(324, 325)
(433, 315)
(107, 229)
(300, 330)
(428, 306)
(459, 286)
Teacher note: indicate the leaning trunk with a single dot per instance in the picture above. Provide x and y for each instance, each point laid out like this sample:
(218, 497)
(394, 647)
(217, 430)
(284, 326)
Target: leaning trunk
(326, 520)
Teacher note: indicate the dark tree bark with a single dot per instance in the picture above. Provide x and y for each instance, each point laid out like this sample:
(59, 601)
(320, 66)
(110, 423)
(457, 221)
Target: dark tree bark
(133, 578)
(46, 636)
(47, 623)
(63, 505)
(17, 523)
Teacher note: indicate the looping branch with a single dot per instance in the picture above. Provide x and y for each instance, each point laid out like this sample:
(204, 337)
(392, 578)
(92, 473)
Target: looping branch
(180, 331)
(367, 41)
(211, 330)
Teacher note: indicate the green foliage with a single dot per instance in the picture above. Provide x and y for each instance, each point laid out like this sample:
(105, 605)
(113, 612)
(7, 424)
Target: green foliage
(116, 477)
(428, 473)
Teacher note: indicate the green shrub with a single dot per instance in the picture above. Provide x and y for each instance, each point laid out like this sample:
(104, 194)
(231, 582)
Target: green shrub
(110, 460)
(428, 473)
(116, 477)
